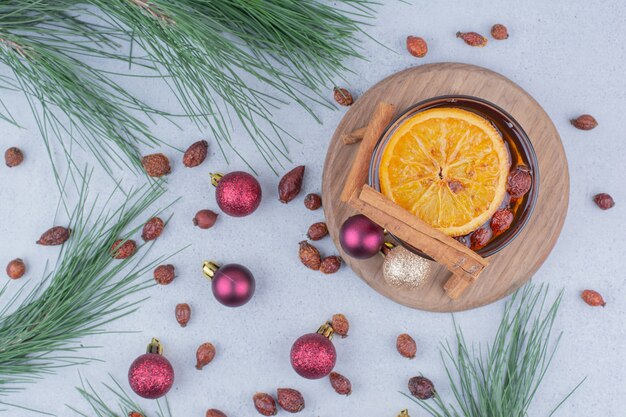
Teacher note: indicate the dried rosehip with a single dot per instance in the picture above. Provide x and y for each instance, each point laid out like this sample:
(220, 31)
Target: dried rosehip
(205, 219)
(584, 122)
(340, 383)
(421, 387)
(480, 238)
(264, 404)
(54, 236)
(330, 264)
(312, 201)
(472, 38)
(204, 355)
(343, 96)
(406, 346)
(604, 201)
(135, 414)
(290, 400)
(214, 413)
(183, 314)
(310, 256)
(519, 182)
(340, 325)
(164, 274)
(13, 157)
(156, 165)
(123, 249)
(196, 154)
(593, 298)
(416, 46)
(291, 184)
(317, 231)
(16, 269)
(152, 229)
(501, 221)
(499, 32)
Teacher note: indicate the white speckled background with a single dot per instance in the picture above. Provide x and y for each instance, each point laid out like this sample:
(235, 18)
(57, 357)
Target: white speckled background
(569, 55)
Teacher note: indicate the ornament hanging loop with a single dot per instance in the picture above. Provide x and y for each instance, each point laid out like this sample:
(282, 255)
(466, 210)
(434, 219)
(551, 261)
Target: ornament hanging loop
(216, 177)
(155, 347)
(209, 268)
(326, 330)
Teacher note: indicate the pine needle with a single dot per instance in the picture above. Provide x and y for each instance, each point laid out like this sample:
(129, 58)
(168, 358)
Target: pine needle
(99, 404)
(41, 330)
(503, 380)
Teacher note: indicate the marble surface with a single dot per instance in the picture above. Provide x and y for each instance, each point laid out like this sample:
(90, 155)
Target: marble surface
(568, 55)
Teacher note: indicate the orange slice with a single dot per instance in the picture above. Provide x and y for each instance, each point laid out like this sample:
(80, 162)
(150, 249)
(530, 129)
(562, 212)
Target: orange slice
(447, 166)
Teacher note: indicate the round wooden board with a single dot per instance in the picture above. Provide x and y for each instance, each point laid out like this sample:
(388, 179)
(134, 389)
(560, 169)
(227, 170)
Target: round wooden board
(516, 263)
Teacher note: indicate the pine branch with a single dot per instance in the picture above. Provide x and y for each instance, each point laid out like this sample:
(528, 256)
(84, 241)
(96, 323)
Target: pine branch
(152, 10)
(69, 98)
(40, 331)
(504, 381)
(207, 51)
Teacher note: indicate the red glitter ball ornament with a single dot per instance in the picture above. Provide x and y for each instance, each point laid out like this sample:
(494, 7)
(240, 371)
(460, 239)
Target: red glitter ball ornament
(313, 355)
(238, 194)
(233, 285)
(151, 375)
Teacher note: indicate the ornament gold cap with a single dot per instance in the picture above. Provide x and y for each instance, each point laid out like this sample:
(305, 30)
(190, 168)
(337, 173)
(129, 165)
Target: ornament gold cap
(404, 413)
(326, 330)
(155, 347)
(209, 268)
(387, 246)
(216, 177)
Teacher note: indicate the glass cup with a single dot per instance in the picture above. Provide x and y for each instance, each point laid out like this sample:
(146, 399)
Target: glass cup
(519, 146)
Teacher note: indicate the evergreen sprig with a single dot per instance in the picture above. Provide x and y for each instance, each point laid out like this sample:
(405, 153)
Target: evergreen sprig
(72, 102)
(40, 331)
(503, 380)
(208, 52)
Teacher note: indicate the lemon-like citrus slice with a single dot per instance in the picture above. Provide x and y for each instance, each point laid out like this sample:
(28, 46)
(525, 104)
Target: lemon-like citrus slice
(447, 166)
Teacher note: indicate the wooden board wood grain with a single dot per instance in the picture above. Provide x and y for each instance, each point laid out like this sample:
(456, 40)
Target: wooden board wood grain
(516, 263)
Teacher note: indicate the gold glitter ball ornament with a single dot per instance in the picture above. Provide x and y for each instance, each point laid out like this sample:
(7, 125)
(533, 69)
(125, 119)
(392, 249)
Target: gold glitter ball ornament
(402, 268)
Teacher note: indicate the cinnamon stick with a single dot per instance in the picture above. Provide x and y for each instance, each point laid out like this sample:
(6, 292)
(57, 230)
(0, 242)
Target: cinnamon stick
(455, 286)
(382, 116)
(354, 136)
(465, 264)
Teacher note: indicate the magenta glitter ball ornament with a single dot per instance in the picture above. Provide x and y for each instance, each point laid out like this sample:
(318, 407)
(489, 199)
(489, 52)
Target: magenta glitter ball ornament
(238, 194)
(360, 237)
(151, 375)
(233, 284)
(313, 355)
